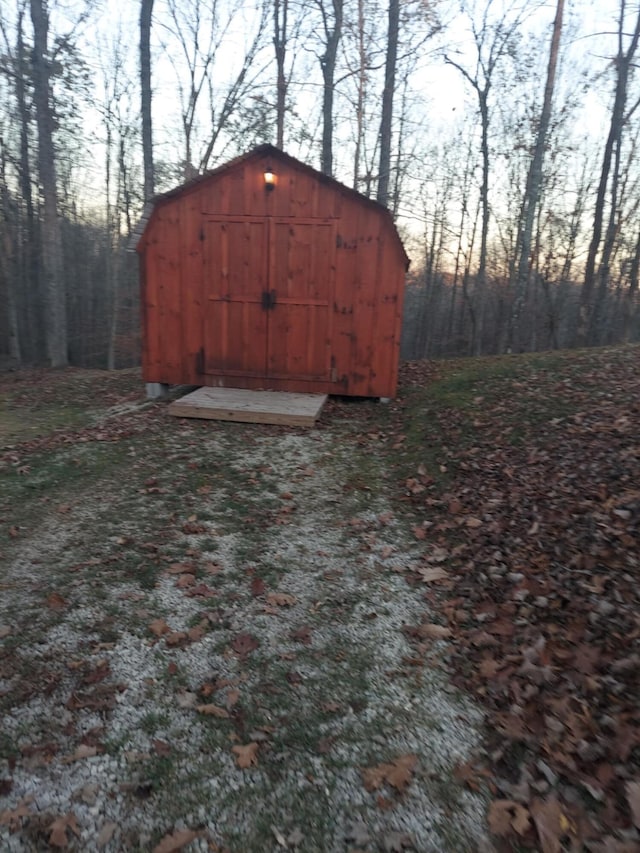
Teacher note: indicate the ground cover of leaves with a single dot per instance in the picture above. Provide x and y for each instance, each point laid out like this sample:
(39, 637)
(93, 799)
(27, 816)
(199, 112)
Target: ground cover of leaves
(203, 635)
(528, 501)
(246, 638)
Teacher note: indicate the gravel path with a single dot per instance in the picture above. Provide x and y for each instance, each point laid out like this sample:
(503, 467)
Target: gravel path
(207, 652)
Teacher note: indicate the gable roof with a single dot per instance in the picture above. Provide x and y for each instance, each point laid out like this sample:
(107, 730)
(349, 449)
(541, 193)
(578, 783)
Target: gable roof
(264, 150)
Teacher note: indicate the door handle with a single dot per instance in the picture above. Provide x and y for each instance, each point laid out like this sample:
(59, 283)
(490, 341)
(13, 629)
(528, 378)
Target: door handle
(268, 300)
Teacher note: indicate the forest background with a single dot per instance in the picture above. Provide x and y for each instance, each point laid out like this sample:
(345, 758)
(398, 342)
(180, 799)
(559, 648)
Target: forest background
(504, 138)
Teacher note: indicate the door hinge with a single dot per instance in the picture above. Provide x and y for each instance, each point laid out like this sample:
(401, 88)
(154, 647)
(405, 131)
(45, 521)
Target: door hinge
(200, 361)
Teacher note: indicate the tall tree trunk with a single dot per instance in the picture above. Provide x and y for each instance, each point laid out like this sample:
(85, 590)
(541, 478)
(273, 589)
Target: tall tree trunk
(52, 269)
(362, 82)
(32, 342)
(623, 63)
(280, 13)
(328, 65)
(10, 228)
(533, 185)
(146, 11)
(483, 96)
(387, 102)
(630, 297)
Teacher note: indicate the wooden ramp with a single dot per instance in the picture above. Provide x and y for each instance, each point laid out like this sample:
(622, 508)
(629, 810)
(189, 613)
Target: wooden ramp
(254, 407)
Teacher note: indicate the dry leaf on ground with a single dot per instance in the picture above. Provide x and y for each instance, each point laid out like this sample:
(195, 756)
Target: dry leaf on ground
(212, 711)
(58, 830)
(242, 644)
(175, 841)
(633, 798)
(397, 773)
(281, 599)
(507, 815)
(246, 755)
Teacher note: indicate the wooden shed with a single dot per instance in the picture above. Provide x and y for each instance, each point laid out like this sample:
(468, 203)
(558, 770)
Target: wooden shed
(266, 274)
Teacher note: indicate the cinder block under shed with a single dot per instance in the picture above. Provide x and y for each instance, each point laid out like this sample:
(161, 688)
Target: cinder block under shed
(256, 407)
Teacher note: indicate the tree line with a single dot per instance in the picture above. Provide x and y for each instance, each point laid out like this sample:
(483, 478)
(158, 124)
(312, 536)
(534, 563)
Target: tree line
(502, 137)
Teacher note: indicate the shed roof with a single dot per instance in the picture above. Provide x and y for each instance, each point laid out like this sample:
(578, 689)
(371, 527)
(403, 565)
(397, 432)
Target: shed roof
(265, 150)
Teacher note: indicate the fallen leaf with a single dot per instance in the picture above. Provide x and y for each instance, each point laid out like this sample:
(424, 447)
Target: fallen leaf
(13, 817)
(550, 822)
(507, 815)
(186, 700)
(182, 569)
(232, 698)
(175, 841)
(302, 635)
(175, 638)
(212, 711)
(428, 630)
(55, 601)
(159, 627)
(82, 751)
(397, 773)
(632, 790)
(161, 747)
(246, 755)
(281, 599)
(282, 841)
(432, 574)
(243, 644)
(396, 842)
(473, 522)
(258, 587)
(106, 833)
(196, 633)
(58, 830)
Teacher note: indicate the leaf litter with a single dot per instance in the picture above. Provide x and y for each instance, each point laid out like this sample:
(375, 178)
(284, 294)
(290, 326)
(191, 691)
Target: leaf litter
(539, 515)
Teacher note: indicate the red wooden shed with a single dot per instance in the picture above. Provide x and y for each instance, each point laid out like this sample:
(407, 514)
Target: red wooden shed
(265, 273)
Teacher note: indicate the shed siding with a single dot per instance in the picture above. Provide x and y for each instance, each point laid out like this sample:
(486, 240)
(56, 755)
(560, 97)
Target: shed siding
(328, 263)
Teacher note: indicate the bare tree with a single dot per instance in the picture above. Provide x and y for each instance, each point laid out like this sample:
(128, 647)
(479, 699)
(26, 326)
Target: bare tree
(52, 268)
(534, 181)
(623, 64)
(332, 27)
(146, 12)
(386, 118)
(492, 42)
(280, 36)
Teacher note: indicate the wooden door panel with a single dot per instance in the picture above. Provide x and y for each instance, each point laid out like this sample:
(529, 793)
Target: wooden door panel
(301, 275)
(235, 259)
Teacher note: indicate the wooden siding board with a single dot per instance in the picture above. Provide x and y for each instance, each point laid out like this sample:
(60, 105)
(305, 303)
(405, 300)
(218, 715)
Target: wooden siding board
(192, 295)
(166, 252)
(344, 309)
(384, 364)
(365, 306)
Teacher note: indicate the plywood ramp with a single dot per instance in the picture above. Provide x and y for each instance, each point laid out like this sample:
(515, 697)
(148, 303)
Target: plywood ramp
(254, 407)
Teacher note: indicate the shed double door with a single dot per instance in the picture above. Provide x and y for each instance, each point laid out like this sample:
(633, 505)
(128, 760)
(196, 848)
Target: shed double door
(268, 288)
